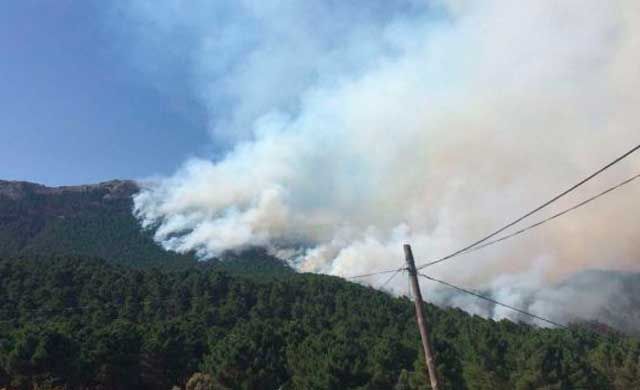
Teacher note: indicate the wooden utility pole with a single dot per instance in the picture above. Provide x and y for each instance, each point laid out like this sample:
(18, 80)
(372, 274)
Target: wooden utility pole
(422, 322)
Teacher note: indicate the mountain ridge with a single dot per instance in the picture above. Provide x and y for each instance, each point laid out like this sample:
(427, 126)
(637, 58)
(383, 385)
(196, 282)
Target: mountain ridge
(17, 189)
(96, 220)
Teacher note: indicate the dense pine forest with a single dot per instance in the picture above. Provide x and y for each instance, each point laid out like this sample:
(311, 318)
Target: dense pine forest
(89, 301)
(96, 221)
(84, 323)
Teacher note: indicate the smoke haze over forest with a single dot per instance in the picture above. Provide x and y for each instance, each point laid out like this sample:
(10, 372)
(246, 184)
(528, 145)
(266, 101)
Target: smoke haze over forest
(352, 129)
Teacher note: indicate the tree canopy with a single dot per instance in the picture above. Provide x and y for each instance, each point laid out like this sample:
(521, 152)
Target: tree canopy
(86, 323)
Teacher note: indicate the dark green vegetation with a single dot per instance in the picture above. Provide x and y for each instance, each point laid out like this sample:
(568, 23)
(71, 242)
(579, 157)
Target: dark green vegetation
(84, 322)
(95, 221)
(87, 300)
(85, 220)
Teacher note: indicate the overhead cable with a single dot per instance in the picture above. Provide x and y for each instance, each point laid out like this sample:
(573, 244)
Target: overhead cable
(542, 206)
(391, 278)
(374, 273)
(478, 295)
(535, 225)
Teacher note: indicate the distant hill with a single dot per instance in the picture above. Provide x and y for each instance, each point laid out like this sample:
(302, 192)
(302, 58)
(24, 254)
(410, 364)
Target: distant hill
(619, 293)
(95, 221)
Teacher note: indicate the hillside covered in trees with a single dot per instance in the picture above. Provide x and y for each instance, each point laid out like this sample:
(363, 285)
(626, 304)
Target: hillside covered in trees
(85, 323)
(89, 301)
(97, 221)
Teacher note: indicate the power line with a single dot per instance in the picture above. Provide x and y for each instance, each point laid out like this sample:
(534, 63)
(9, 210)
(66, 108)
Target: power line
(493, 301)
(391, 278)
(374, 273)
(495, 233)
(478, 295)
(542, 206)
(535, 225)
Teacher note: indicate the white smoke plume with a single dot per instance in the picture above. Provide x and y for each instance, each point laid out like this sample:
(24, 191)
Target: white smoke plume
(355, 127)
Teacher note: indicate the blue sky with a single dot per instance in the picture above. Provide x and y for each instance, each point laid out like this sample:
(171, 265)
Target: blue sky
(95, 90)
(72, 107)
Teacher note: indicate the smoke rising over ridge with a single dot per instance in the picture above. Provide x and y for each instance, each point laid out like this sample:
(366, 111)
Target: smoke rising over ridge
(353, 128)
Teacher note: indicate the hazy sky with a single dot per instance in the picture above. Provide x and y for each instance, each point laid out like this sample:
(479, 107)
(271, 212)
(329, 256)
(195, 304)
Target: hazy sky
(333, 131)
(73, 108)
(95, 90)
(357, 126)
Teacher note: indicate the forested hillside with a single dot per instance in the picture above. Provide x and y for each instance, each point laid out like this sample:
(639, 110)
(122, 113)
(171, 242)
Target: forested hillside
(86, 323)
(89, 301)
(95, 221)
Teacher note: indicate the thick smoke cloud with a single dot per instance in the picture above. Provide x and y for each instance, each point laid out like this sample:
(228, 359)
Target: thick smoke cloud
(354, 128)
